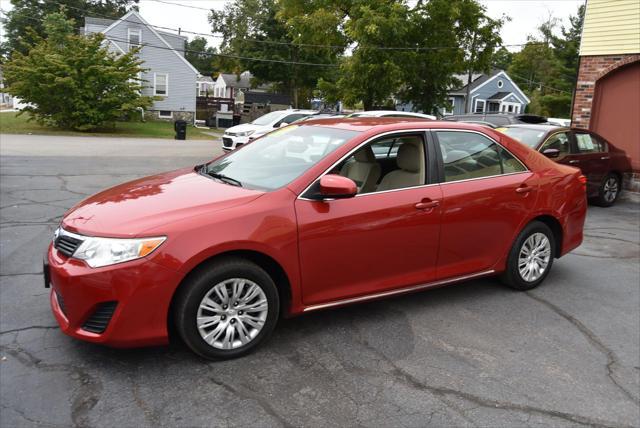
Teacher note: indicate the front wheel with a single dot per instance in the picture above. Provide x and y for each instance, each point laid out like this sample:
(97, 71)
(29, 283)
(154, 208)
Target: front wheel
(608, 191)
(531, 257)
(227, 309)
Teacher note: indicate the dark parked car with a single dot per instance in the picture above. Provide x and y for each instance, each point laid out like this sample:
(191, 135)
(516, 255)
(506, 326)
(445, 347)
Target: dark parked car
(496, 119)
(600, 161)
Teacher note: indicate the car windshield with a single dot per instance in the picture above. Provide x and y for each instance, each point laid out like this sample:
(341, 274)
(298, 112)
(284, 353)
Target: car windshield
(528, 136)
(279, 157)
(267, 118)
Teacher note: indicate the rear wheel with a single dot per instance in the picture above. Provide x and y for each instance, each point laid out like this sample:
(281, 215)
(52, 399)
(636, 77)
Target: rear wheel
(227, 309)
(531, 257)
(609, 191)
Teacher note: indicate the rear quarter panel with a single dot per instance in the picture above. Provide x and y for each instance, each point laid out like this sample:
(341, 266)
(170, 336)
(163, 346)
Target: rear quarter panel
(560, 195)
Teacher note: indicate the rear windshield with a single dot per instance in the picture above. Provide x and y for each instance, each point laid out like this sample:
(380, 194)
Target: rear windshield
(530, 137)
(279, 157)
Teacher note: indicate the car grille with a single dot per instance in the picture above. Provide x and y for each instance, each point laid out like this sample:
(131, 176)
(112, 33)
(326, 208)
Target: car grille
(99, 320)
(61, 303)
(67, 245)
(227, 142)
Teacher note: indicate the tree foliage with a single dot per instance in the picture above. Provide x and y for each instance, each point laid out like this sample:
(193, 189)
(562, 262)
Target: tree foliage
(201, 56)
(24, 23)
(74, 82)
(254, 29)
(547, 67)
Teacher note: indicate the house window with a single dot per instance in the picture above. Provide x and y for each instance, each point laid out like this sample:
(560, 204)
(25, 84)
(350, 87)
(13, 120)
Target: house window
(479, 107)
(134, 37)
(500, 83)
(165, 114)
(452, 103)
(161, 84)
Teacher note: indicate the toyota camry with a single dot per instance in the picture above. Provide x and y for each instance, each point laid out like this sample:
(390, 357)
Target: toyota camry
(319, 214)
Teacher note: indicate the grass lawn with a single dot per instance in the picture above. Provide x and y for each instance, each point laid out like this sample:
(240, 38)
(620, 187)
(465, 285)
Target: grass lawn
(10, 123)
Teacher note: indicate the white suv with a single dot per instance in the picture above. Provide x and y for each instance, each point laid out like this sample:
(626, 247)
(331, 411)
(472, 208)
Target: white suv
(236, 136)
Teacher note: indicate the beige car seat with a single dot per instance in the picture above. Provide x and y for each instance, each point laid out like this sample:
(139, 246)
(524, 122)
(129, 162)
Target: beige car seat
(364, 170)
(410, 162)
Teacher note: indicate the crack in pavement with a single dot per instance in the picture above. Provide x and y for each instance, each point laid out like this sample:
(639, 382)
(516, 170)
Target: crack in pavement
(592, 338)
(10, 275)
(444, 392)
(33, 327)
(248, 395)
(86, 395)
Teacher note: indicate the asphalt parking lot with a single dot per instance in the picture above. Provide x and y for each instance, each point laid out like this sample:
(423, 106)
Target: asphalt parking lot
(474, 354)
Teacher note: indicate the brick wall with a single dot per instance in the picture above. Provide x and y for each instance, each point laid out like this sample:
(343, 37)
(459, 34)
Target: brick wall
(593, 68)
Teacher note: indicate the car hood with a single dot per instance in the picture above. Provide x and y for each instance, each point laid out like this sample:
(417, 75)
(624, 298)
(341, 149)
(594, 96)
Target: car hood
(131, 208)
(246, 127)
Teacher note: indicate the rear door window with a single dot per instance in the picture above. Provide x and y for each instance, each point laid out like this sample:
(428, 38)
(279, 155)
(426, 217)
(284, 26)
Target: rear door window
(588, 144)
(468, 155)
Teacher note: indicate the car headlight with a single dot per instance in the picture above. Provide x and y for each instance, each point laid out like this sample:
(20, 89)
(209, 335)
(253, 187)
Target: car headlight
(98, 252)
(245, 133)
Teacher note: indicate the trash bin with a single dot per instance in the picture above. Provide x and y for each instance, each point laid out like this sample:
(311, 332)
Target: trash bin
(180, 126)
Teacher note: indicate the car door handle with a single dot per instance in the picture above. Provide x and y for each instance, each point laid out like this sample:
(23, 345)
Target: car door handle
(605, 158)
(524, 189)
(574, 161)
(425, 205)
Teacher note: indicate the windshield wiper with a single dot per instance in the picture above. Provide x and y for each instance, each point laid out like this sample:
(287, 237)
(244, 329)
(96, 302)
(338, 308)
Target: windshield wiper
(224, 178)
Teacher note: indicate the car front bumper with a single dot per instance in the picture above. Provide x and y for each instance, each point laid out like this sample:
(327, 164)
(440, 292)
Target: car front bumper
(230, 143)
(128, 301)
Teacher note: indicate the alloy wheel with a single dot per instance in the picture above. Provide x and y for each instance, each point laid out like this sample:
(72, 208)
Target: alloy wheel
(534, 257)
(232, 313)
(610, 189)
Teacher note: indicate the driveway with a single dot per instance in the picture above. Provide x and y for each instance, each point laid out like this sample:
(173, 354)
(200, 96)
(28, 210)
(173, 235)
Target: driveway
(474, 354)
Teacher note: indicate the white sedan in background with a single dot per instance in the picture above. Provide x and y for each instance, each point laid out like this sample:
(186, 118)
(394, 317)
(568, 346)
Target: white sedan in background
(391, 113)
(238, 135)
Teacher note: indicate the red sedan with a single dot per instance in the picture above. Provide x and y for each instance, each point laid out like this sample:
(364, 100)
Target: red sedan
(316, 215)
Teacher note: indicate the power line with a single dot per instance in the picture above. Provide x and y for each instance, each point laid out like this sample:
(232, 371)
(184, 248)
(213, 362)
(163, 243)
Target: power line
(112, 38)
(275, 42)
(183, 5)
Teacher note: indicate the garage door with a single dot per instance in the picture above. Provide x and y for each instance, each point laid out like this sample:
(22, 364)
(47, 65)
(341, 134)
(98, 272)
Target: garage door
(616, 109)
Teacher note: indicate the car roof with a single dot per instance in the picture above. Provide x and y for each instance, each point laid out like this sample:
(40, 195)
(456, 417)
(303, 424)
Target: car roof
(539, 127)
(377, 113)
(366, 123)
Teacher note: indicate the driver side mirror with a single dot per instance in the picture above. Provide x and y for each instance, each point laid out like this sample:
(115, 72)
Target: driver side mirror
(281, 125)
(551, 153)
(333, 186)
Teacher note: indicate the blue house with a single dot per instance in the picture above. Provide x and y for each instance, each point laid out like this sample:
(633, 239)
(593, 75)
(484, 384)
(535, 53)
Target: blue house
(168, 76)
(491, 93)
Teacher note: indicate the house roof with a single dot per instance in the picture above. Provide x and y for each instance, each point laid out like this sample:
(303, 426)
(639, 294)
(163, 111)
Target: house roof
(204, 79)
(498, 96)
(265, 97)
(237, 81)
(153, 30)
(476, 80)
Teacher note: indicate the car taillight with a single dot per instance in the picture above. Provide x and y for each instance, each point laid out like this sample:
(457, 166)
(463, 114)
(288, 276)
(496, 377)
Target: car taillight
(583, 180)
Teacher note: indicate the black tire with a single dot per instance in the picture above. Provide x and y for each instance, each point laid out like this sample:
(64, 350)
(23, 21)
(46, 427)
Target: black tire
(610, 183)
(512, 276)
(200, 283)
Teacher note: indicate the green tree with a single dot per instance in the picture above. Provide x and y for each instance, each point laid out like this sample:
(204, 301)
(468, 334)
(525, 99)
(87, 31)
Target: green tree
(255, 29)
(463, 39)
(72, 81)
(24, 23)
(502, 58)
(201, 56)
(546, 68)
(478, 36)
(371, 75)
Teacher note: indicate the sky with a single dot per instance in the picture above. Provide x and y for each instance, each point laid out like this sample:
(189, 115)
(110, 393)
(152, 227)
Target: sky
(526, 15)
